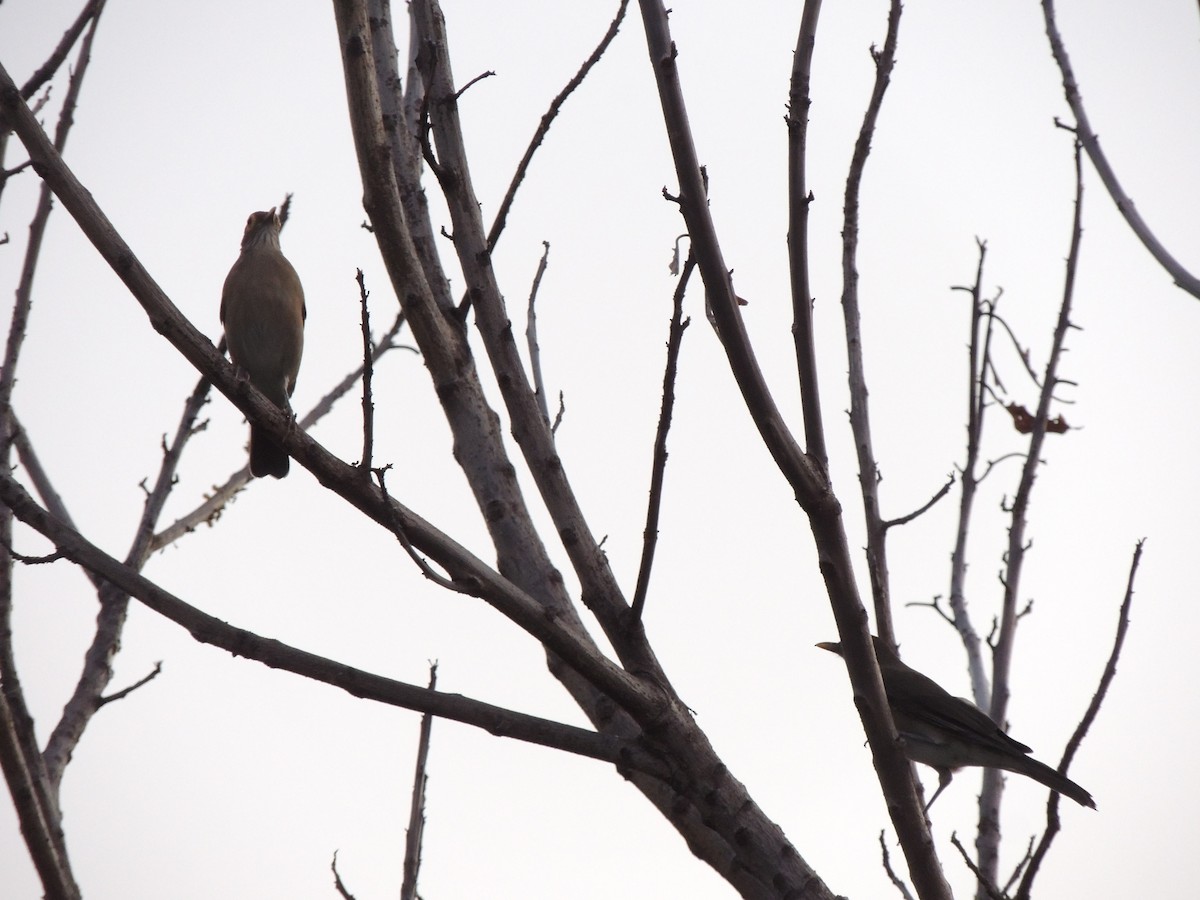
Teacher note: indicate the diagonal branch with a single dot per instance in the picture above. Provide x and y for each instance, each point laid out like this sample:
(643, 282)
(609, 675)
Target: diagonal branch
(1091, 143)
(1110, 672)
(210, 630)
(210, 509)
(548, 118)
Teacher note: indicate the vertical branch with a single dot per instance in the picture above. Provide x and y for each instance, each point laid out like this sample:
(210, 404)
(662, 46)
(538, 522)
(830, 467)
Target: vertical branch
(85, 700)
(24, 767)
(860, 418)
(416, 814)
(979, 363)
(39, 822)
(988, 839)
(368, 372)
(659, 465)
(799, 199)
(531, 431)
(807, 477)
(535, 353)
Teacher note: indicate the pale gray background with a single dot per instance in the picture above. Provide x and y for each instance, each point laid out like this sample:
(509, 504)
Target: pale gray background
(224, 779)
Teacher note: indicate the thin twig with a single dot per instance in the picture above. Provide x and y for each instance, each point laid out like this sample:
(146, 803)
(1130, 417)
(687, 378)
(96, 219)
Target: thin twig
(209, 511)
(90, 12)
(921, 510)
(87, 697)
(337, 880)
(1089, 716)
(659, 465)
(982, 880)
(978, 362)
(535, 355)
(31, 560)
(543, 128)
(398, 529)
(886, 860)
(416, 813)
(368, 371)
(125, 692)
(539, 135)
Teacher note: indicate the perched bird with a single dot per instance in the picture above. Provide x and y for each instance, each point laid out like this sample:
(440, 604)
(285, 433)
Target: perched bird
(948, 732)
(262, 308)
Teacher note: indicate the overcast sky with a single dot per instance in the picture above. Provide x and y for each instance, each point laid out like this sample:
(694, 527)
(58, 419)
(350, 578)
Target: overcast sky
(225, 779)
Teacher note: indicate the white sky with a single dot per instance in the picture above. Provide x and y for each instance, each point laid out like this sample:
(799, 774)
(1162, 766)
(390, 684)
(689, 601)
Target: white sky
(224, 779)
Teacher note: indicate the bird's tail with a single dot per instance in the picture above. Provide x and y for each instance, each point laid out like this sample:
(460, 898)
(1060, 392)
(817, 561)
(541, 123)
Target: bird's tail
(266, 457)
(1050, 778)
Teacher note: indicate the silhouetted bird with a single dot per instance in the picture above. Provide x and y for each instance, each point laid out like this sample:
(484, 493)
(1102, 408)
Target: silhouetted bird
(947, 732)
(262, 307)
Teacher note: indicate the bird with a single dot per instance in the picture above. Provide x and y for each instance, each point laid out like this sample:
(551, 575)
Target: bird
(947, 732)
(263, 311)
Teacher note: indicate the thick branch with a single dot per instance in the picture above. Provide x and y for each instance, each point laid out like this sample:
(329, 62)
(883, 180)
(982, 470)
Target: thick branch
(805, 475)
(799, 200)
(599, 589)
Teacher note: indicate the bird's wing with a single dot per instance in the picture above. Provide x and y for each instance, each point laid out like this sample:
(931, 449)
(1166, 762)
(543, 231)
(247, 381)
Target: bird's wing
(923, 700)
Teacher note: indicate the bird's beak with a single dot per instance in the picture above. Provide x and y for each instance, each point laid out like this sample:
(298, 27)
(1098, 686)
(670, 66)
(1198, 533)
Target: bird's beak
(831, 646)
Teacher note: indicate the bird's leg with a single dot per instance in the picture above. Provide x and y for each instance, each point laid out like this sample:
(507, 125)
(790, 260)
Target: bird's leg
(944, 776)
(289, 415)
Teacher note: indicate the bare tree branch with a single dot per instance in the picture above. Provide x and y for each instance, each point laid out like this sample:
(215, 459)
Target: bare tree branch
(531, 340)
(987, 887)
(659, 464)
(988, 841)
(338, 885)
(368, 370)
(209, 630)
(214, 504)
(1091, 143)
(799, 199)
(33, 787)
(806, 476)
(125, 692)
(860, 417)
(1038, 856)
(979, 349)
(416, 814)
(547, 120)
